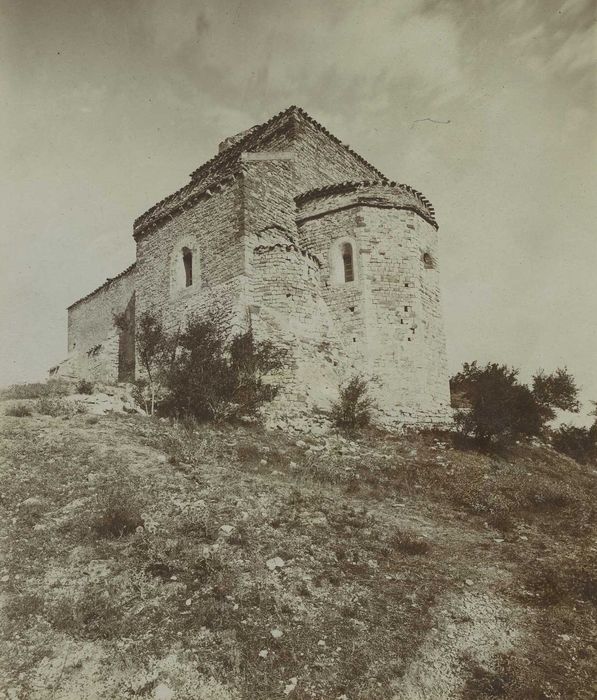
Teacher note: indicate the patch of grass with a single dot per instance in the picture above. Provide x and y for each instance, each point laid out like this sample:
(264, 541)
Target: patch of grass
(358, 591)
(56, 406)
(554, 580)
(248, 453)
(84, 387)
(118, 510)
(36, 390)
(407, 543)
(22, 606)
(19, 411)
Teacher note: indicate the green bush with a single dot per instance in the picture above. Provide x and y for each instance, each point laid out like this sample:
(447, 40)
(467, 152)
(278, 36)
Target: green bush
(56, 406)
(578, 443)
(84, 387)
(36, 390)
(118, 509)
(497, 408)
(19, 411)
(211, 377)
(353, 408)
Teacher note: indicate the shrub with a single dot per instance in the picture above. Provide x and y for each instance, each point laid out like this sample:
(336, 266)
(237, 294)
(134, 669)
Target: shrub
(19, 411)
(407, 543)
(55, 406)
(36, 390)
(51, 406)
(578, 443)
(84, 387)
(500, 409)
(118, 508)
(353, 408)
(211, 377)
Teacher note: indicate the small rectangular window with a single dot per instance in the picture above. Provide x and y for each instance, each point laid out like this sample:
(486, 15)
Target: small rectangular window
(187, 259)
(347, 262)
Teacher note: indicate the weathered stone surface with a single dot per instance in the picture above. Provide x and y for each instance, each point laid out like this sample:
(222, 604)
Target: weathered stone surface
(267, 222)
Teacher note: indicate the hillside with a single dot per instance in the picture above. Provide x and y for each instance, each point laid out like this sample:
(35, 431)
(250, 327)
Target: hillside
(142, 559)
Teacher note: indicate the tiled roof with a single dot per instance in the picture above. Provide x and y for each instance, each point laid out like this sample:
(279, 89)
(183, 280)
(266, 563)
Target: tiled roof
(226, 164)
(174, 203)
(353, 186)
(107, 283)
(253, 136)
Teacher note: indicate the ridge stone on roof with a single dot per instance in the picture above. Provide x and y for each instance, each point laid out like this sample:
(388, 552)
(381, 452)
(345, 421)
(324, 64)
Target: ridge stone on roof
(354, 185)
(227, 163)
(107, 283)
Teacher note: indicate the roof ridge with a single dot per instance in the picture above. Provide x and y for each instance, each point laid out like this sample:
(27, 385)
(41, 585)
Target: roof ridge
(105, 284)
(258, 129)
(251, 135)
(145, 219)
(352, 185)
(228, 157)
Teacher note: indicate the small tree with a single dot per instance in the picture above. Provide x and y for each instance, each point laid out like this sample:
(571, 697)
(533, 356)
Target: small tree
(353, 408)
(500, 408)
(250, 361)
(555, 391)
(577, 442)
(212, 376)
(153, 348)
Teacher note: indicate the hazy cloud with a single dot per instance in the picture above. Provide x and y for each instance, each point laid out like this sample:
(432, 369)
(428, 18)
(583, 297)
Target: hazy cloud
(106, 107)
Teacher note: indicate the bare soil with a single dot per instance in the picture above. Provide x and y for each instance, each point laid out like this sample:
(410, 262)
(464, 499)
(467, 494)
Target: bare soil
(141, 559)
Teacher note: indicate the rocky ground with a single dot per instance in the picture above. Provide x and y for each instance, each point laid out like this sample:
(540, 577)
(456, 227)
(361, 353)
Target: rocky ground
(142, 559)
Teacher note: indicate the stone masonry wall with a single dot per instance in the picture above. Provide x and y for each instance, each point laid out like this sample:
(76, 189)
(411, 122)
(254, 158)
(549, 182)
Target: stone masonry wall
(389, 318)
(93, 341)
(288, 310)
(265, 222)
(211, 230)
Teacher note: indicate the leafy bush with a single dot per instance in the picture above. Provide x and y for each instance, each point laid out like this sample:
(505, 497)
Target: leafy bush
(578, 443)
(19, 411)
(408, 543)
(213, 378)
(500, 409)
(118, 509)
(201, 372)
(51, 406)
(36, 390)
(55, 406)
(84, 387)
(353, 408)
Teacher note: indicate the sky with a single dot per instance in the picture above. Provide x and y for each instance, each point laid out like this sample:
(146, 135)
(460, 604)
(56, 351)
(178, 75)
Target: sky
(486, 107)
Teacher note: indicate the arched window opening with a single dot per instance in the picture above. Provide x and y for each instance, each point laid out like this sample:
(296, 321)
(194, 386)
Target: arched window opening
(347, 262)
(187, 260)
(428, 261)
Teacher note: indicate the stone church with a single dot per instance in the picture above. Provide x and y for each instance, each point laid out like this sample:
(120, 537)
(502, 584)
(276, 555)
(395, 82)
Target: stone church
(290, 230)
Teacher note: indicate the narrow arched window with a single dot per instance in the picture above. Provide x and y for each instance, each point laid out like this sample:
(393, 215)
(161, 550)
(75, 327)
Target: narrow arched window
(428, 261)
(347, 262)
(187, 261)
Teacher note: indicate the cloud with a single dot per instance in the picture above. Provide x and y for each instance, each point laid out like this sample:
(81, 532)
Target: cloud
(109, 105)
